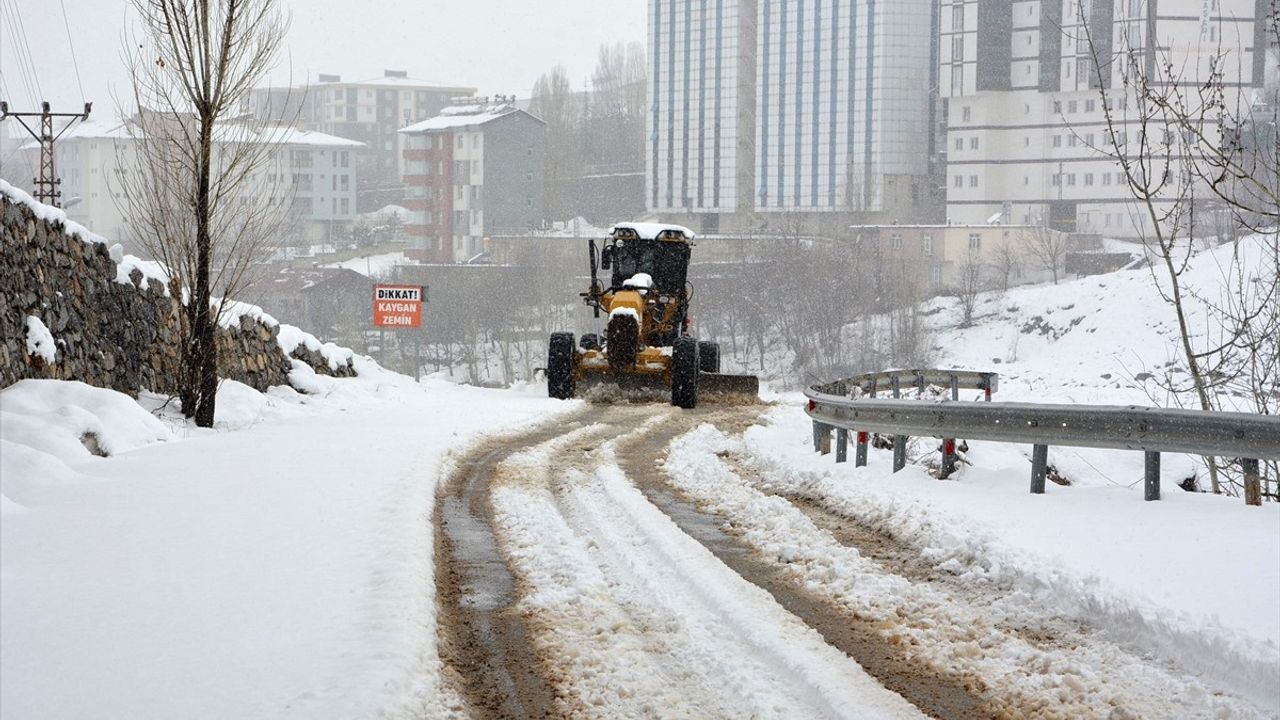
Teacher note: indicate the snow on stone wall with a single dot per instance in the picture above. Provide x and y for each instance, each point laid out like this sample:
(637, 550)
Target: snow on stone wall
(112, 321)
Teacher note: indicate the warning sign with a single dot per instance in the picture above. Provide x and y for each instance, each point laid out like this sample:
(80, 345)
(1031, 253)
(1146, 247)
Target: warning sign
(397, 306)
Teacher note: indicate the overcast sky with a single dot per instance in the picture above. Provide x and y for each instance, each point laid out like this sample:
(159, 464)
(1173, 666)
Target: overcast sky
(498, 46)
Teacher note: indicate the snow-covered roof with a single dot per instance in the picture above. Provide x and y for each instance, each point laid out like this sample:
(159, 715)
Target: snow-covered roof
(462, 116)
(650, 231)
(293, 136)
(119, 130)
(397, 81)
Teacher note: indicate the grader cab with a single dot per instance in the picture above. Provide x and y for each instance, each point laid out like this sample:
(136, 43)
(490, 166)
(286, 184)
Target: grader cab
(646, 345)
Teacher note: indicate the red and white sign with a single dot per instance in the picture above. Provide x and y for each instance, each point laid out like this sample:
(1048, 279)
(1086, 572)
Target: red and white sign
(397, 306)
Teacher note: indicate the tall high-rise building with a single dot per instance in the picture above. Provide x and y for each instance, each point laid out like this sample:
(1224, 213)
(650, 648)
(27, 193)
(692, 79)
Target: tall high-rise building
(1024, 80)
(820, 110)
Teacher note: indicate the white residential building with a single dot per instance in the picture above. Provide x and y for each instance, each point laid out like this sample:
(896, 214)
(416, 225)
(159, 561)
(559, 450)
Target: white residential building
(805, 107)
(313, 178)
(1026, 129)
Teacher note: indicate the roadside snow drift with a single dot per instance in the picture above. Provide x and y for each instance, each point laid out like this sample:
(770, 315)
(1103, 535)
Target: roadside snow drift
(280, 565)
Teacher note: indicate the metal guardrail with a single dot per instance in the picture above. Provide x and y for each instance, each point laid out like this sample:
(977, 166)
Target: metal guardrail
(898, 380)
(1245, 436)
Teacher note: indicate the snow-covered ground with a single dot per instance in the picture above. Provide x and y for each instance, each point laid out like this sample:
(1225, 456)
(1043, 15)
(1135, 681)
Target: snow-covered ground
(277, 565)
(1193, 579)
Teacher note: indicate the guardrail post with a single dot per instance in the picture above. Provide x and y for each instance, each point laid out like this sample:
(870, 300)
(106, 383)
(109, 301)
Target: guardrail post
(1151, 477)
(899, 452)
(842, 445)
(1039, 468)
(860, 454)
(824, 438)
(949, 444)
(1252, 481)
(817, 436)
(948, 458)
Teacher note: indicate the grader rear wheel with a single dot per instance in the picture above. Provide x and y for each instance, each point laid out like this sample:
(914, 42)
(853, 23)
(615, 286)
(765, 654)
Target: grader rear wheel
(560, 354)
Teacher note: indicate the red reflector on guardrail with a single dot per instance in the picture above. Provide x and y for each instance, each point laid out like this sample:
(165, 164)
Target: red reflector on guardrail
(813, 405)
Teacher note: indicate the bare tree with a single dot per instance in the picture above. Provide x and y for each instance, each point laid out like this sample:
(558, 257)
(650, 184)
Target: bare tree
(614, 136)
(554, 103)
(1007, 263)
(970, 281)
(1179, 134)
(1046, 246)
(197, 186)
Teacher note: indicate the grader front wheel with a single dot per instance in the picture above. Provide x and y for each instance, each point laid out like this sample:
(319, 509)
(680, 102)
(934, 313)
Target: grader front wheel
(684, 373)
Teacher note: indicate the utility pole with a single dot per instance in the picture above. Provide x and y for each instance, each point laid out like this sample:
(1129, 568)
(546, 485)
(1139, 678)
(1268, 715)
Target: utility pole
(47, 184)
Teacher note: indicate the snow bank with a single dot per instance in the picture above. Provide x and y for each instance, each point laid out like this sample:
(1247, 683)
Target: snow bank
(49, 426)
(1170, 577)
(277, 565)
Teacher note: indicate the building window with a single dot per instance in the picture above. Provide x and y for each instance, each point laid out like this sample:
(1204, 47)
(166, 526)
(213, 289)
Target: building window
(1071, 107)
(1057, 179)
(1089, 106)
(1088, 179)
(975, 241)
(959, 143)
(1057, 141)
(973, 143)
(967, 113)
(895, 241)
(958, 181)
(1057, 107)
(459, 141)
(1071, 179)
(973, 181)
(926, 244)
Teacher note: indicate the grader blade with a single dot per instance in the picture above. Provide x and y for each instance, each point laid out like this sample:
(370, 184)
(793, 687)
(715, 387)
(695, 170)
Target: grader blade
(724, 389)
(624, 387)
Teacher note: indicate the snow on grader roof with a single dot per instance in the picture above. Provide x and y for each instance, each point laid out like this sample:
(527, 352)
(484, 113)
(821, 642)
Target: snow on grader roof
(651, 231)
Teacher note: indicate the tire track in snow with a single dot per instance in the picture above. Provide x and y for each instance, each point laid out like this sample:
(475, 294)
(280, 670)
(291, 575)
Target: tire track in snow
(483, 642)
(936, 693)
(643, 621)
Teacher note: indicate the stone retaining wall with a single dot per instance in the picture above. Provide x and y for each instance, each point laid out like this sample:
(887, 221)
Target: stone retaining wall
(111, 331)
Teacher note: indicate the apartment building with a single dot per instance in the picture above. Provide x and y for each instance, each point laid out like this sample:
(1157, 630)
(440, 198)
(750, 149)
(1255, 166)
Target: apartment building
(312, 176)
(1025, 126)
(472, 171)
(766, 112)
(369, 111)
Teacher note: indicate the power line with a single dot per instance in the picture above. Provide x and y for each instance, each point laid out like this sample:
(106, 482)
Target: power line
(22, 52)
(72, 43)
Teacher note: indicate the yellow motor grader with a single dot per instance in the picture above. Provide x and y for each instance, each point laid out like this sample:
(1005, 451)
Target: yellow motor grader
(646, 344)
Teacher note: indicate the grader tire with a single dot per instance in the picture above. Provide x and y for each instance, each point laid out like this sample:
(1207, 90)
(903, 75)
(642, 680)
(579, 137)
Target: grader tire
(709, 356)
(623, 345)
(560, 354)
(684, 373)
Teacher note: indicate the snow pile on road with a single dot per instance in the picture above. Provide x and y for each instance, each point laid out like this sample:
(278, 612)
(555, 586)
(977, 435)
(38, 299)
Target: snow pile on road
(277, 565)
(1080, 679)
